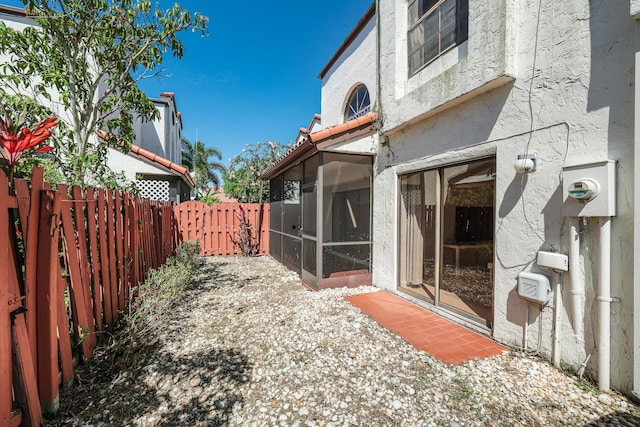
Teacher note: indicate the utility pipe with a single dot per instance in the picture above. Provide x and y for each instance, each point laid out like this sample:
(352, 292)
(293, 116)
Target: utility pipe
(577, 286)
(604, 305)
(525, 328)
(556, 324)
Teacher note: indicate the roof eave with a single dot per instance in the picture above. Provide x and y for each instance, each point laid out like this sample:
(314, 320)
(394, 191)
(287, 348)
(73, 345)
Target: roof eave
(321, 140)
(301, 151)
(350, 38)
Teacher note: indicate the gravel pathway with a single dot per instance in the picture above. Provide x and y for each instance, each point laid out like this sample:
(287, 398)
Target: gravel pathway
(251, 346)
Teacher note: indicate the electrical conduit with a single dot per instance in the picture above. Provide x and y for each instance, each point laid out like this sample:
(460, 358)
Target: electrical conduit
(604, 305)
(577, 287)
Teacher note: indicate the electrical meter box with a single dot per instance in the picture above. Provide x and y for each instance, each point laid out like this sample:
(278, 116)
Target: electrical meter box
(533, 287)
(589, 190)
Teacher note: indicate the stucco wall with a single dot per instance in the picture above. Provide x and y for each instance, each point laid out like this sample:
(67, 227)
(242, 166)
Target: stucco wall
(565, 75)
(130, 165)
(486, 60)
(356, 65)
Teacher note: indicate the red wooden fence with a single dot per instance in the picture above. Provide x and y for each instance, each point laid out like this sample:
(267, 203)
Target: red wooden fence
(215, 225)
(68, 263)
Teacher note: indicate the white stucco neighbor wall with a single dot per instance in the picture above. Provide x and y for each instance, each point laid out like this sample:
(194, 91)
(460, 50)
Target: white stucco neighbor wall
(19, 23)
(152, 136)
(357, 65)
(131, 165)
(161, 136)
(558, 84)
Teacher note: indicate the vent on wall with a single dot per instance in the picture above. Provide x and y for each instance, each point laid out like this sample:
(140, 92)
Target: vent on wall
(533, 287)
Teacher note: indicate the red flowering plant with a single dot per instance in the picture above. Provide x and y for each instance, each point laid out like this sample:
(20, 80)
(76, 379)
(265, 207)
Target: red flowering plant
(16, 145)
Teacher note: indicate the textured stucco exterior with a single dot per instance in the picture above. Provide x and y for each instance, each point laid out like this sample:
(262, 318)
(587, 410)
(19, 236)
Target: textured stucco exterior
(558, 84)
(544, 77)
(356, 66)
(161, 136)
(481, 63)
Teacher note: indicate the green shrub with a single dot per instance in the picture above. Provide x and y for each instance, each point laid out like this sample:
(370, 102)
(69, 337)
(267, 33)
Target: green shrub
(152, 308)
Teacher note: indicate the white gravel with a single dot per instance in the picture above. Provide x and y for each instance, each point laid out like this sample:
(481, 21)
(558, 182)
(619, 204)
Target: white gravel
(252, 346)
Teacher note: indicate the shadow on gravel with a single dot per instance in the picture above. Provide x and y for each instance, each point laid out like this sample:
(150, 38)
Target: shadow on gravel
(210, 277)
(199, 389)
(617, 418)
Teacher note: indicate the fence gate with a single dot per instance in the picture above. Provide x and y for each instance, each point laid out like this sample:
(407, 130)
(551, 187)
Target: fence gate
(216, 225)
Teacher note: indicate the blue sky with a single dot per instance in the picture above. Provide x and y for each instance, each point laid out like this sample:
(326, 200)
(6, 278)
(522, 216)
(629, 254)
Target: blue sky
(254, 78)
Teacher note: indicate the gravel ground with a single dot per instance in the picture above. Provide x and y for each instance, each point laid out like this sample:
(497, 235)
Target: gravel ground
(251, 346)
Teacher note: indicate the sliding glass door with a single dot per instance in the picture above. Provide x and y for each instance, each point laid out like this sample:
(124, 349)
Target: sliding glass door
(446, 237)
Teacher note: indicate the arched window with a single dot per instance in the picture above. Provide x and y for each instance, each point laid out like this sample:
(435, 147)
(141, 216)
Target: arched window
(359, 103)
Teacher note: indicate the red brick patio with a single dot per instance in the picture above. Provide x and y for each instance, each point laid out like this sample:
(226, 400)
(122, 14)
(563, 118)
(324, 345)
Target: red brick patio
(442, 338)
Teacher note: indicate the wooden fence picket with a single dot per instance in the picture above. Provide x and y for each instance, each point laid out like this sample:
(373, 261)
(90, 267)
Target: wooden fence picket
(80, 210)
(126, 241)
(119, 238)
(80, 257)
(25, 382)
(64, 339)
(30, 240)
(215, 225)
(48, 272)
(135, 246)
(104, 258)
(113, 272)
(7, 416)
(80, 312)
(96, 285)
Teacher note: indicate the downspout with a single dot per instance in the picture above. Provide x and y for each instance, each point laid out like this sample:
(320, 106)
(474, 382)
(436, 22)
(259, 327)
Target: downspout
(604, 305)
(577, 286)
(636, 211)
(378, 60)
(557, 317)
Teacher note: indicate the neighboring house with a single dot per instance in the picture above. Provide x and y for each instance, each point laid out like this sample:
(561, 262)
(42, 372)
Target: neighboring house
(155, 160)
(466, 170)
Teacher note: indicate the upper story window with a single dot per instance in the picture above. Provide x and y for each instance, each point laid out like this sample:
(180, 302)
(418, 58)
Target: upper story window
(359, 103)
(434, 27)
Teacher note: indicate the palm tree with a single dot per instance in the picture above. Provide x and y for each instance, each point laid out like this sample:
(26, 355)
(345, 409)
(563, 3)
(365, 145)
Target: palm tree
(196, 157)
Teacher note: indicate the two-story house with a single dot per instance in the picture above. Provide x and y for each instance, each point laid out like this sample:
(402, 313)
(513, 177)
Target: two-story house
(155, 159)
(477, 159)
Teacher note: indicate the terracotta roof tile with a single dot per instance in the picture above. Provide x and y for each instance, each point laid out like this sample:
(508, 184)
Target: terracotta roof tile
(342, 128)
(156, 159)
(308, 143)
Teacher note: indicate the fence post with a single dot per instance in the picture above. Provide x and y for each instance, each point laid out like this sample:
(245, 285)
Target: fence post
(46, 303)
(6, 399)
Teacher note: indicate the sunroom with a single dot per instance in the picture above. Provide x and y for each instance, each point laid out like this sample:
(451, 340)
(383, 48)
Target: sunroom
(321, 196)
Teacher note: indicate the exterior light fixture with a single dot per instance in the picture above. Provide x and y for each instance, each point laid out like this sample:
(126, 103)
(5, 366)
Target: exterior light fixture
(526, 163)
